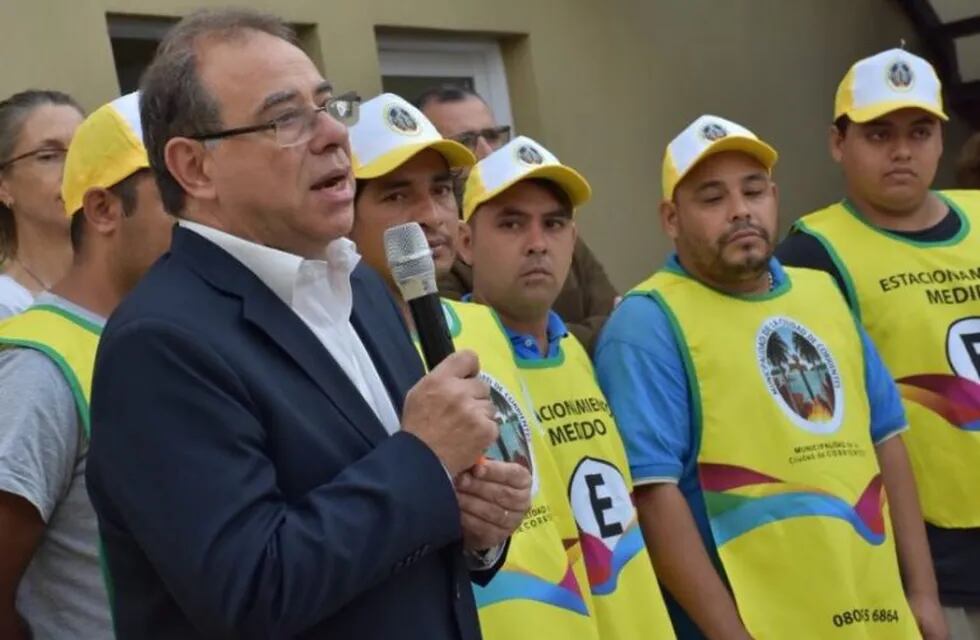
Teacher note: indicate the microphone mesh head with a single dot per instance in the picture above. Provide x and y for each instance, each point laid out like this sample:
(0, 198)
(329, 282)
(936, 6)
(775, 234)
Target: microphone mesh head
(410, 260)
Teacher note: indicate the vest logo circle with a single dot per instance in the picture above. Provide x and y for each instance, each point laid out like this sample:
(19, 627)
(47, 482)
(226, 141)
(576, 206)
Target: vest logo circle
(513, 443)
(600, 501)
(963, 348)
(800, 374)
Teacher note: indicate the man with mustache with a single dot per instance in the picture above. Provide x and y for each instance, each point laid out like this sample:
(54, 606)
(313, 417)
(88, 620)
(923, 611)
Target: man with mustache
(519, 206)
(404, 174)
(404, 169)
(762, 428)
(908, 261)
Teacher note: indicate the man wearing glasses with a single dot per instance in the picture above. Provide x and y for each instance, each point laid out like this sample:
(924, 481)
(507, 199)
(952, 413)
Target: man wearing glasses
(588, 296)
(280, 467)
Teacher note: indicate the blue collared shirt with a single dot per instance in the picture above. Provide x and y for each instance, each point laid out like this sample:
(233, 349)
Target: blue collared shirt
(526, 346)
(641, 371)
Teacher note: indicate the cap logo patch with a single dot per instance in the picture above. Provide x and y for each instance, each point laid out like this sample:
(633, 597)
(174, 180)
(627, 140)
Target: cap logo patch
(713, 131)
(401, 121)
(529, 155)
(900, 76)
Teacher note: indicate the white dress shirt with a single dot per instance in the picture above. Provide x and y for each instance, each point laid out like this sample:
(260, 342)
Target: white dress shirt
(319, 292)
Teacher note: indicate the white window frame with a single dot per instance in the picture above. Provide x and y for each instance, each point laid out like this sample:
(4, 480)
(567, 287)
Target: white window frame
(477, 58)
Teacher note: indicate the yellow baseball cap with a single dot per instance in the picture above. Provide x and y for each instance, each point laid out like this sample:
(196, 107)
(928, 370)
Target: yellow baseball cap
(520, 159)
(705, 137)
(390, 131)
(106, 149)
(888, 81)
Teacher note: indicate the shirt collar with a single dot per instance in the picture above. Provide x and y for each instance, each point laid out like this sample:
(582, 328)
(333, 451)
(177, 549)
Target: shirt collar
(277, 269)
(526, 345)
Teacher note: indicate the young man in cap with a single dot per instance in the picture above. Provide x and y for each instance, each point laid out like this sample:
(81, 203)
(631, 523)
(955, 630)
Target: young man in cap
(403, 169)
(519, 206)
(761, 423)
(587, 297)
(906, 258)
(50, 577)
(404, 174)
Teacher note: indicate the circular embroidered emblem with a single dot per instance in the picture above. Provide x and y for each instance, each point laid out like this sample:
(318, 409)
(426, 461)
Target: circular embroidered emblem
(800, 374)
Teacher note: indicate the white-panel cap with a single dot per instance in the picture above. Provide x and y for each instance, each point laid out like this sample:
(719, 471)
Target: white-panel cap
(390, 131)
(886, 82)
(520, 159)
(705, 137)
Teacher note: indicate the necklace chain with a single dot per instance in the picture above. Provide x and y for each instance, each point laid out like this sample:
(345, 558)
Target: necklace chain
(27, 270)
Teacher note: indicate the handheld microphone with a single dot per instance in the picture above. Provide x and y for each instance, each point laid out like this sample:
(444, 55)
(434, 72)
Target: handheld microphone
(414, 271)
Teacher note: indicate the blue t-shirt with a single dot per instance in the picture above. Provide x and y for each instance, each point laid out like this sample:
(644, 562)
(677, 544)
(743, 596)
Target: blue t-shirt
(640, 368)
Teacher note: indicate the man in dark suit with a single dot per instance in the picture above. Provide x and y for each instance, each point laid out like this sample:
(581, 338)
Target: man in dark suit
(267, 459)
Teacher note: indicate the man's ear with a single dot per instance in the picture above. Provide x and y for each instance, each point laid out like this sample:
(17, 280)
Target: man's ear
(6, 198)
(103, 210)
(668, 218)
(835, 142)
(189, 163)
(464, 244)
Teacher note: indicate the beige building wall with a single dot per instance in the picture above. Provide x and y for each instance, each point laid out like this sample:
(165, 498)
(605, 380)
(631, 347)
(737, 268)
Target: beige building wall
(604, 84)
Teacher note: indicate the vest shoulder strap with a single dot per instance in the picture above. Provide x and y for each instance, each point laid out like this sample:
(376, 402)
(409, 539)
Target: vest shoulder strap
(69, 341)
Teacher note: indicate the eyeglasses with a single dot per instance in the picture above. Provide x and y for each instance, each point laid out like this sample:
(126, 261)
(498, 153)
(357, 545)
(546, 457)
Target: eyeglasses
(45, 156)
(296, 126)
(495, 136)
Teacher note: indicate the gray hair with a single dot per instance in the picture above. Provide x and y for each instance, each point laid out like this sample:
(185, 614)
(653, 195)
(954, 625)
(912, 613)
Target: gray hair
(14, 112)
(173, 102)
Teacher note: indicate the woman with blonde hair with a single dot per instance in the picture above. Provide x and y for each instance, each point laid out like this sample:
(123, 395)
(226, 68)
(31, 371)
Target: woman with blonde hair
(35, 250)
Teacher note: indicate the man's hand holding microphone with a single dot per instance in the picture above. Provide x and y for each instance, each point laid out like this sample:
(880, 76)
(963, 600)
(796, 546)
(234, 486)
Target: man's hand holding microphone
(450, 408)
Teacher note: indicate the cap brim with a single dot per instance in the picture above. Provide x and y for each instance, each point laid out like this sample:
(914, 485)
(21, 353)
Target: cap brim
(456, 156)
(571, 181)
(752, 146)
(74, 186)
(872, 112)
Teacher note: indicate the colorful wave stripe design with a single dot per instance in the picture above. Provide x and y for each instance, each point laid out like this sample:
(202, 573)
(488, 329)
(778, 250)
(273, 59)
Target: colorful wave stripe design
(955, 399)
(516, 583)
(603, 565)
(732, 512)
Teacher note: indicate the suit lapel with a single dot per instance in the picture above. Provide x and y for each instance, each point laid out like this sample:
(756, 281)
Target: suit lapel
(263, 309)
(383, 343)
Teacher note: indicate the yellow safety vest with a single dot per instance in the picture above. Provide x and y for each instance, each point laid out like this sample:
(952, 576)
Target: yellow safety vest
(582, 435)
(920, 303)
(789, 474)
(541, 591)
(70, 342)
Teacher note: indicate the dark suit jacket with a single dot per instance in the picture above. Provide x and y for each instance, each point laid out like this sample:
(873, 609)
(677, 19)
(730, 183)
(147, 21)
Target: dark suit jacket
(245, 489)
